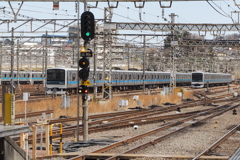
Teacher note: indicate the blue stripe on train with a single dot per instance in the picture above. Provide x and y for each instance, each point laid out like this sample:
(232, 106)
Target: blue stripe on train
(212, 80)
(134, 81)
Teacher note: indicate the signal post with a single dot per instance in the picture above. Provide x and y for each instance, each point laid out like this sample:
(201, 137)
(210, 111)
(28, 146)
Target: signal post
(87, 34)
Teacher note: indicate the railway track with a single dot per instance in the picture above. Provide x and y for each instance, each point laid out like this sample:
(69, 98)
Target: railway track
(126, 118)
(31, 114)
(181, 126)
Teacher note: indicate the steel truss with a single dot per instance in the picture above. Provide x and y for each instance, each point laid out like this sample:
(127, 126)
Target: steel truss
(226, 43)
(215, 29)
(202, 28)
(107, 64)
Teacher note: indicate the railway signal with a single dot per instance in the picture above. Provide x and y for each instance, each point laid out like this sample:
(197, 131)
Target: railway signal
(84, 64)
(87, 33)
(87, 26)
(83, 89)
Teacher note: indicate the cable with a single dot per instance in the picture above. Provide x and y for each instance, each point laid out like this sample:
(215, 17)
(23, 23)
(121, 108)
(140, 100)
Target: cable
(216, 9)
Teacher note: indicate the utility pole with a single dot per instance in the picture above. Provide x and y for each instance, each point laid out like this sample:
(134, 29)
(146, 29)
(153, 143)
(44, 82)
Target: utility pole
(46, 57)
(94, 70)
(17, 62)
(144, 50)
(12, 62)
(78, 48)
(173, 44)
(42, 65)
(1, 45)
(107, 50)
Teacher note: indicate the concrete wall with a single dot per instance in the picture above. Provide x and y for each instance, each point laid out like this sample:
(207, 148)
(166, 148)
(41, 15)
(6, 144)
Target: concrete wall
(10, 150)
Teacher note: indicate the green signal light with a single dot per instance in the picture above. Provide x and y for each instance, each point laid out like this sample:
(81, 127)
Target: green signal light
(87, 33)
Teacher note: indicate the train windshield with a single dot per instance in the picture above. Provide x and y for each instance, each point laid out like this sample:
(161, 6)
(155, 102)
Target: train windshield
(55, 76)
(197, 77)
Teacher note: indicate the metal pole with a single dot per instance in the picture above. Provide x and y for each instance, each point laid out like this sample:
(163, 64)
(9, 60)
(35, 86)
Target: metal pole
(1, 65)
(46, 57)
(12, 61)
(85, 101)
(43, 66)
(144, 50)
(31, 81)
(73, 53)
(25, 112)
(128, 58)
(26, 143)
(78, 48)
(17, 62)
(95, 71)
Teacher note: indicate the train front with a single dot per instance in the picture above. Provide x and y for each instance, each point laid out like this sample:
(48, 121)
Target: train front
(197, 80)
(55, 81)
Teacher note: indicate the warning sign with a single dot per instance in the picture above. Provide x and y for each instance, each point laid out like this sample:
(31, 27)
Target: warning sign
(83, 49)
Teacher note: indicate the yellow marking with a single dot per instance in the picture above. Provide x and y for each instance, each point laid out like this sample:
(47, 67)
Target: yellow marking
(86, 83)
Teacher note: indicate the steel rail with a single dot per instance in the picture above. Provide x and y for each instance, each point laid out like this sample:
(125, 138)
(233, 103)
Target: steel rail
(147, 133)
(157, 140)
(218, 142)
(125, 123)
(31, 114)
(97, 128)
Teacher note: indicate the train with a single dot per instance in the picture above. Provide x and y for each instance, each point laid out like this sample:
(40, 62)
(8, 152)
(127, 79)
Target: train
(61, 80)
(22, 77)
(204, 79)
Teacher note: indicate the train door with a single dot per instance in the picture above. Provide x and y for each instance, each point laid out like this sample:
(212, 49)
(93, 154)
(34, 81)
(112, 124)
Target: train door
(130, 80)
(117, 78)
(69, 81)
(113, 78)
(121, 79)
(125, 79)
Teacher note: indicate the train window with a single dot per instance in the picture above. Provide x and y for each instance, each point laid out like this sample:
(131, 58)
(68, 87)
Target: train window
(5, 75)
(100, 76)
(15, 75)
(130, 76)
(121, 77)
(126, 77)
(138, 77)
(55, 76)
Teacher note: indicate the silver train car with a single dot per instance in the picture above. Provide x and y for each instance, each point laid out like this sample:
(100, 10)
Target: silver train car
(23, 77)
(61, 80)
(202, 79)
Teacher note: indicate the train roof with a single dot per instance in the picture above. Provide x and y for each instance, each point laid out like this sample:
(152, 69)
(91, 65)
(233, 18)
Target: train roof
(211, 73)
(126, 71)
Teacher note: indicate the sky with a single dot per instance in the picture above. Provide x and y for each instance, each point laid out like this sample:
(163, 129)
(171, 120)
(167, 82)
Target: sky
(214, 12)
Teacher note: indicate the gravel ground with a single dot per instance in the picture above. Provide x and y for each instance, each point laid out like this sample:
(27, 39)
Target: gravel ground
(188, 143)
(195, 140)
